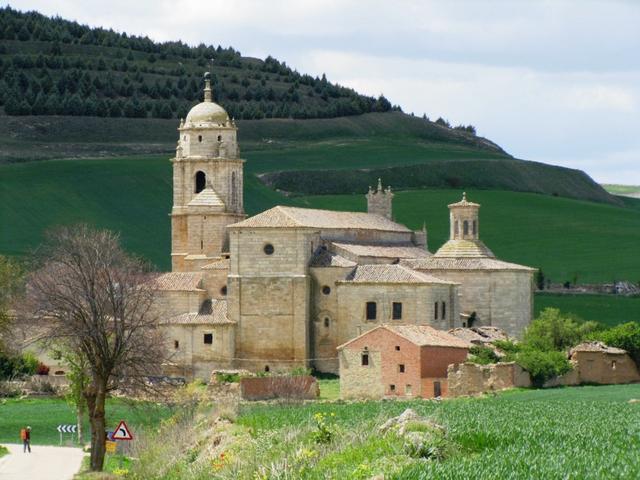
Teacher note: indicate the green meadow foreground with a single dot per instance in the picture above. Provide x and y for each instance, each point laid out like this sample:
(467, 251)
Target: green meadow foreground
(590, 432)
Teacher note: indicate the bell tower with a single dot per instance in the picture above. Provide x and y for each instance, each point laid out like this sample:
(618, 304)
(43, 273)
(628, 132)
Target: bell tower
(379, 201)
(207, 185)
(463, 217)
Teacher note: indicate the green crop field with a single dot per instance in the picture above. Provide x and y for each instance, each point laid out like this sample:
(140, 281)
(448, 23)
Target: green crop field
(593, 242)
(607, 309)
(43, 415)
(582, 432)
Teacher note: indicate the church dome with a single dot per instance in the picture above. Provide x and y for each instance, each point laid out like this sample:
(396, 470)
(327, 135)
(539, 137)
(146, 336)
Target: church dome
(207, 112)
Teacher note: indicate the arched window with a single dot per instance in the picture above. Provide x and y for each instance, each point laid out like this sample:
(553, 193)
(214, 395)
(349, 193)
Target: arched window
(201, 181)
(219, 138)
(200, 138)
(465, 228)
(456, 230)
(475, 227)
(234, 190)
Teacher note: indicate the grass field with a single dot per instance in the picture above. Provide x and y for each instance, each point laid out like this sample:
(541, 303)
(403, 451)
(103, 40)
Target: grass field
(582, 432)
(564, 237)
(43, 415)
(629, 190)
(607, 309)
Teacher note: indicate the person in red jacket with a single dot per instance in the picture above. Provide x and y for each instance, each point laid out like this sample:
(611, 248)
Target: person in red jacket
(25, 435)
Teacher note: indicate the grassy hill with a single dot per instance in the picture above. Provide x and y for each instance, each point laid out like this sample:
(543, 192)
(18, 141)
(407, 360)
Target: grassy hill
(566, 238)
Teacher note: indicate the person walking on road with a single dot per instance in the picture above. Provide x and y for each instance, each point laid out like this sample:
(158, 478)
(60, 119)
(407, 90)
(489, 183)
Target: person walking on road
(25, 435)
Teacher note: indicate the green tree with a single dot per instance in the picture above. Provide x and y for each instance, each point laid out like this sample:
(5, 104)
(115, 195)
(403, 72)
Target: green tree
(553, 330)
(543, 365)
(11, 286)
(625, 336)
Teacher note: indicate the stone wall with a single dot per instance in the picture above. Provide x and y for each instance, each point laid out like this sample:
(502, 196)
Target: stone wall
(303, 387)
(417, 306)
(502, 299)
(473, 379)
(358, 381)
(599, 367)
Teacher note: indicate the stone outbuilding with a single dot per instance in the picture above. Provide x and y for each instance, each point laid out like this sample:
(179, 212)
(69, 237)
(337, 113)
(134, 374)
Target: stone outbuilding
(399, 361)
(595, 362)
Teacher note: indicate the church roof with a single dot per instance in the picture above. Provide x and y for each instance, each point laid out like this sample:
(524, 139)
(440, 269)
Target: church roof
(292, 217)
(179, 281)
(390, 274)
(219, 264)
(207, 198)
(217, 315)
(324, 258)
(207, 112)
(464, 248)
(464, 202)
(420, 335)
(382, 251)
(482, 263)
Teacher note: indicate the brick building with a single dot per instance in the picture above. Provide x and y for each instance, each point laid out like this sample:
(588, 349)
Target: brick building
(399, 361)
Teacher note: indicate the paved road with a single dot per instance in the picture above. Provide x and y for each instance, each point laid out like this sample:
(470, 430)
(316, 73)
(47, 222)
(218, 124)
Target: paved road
(44, 463)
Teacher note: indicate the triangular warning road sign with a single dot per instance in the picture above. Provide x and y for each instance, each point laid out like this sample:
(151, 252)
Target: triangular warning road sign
(122, 432)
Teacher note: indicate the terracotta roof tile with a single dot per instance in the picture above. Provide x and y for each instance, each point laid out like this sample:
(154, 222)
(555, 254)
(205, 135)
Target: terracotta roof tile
(390, 274)
(436, 263)
(421, 335)
(596, 347)
(382, 251)
(324, 258)
(218, 316)
(179, 281)
(285, 217)
(220, 264)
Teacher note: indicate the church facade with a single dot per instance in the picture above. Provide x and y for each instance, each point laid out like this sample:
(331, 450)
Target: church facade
(286, 287)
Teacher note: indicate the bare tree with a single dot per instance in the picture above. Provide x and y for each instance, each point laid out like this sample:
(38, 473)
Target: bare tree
(92, 297)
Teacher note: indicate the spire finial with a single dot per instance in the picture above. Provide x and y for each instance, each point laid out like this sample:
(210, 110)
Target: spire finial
(464, 196)
(379, 184)
(207, 87)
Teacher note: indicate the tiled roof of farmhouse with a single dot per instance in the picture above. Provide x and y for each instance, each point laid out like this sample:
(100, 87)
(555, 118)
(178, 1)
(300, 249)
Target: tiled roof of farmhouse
(390, 274)
(479, 335)
(420, 335)
(282, 217)
(596, 347)
(324, 258)
(217, 316)
(179, 281)
(446, 263)
(220, 264)
(385, 251)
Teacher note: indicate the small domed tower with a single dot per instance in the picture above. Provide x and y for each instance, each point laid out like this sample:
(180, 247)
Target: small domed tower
(379, 202)
(207, 185)
(464, 232)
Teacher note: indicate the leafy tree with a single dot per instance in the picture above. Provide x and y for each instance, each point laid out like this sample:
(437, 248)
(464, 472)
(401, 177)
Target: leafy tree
(11, 285)
(543, 365)
(93, 299)
(553, 330)
(483, 355)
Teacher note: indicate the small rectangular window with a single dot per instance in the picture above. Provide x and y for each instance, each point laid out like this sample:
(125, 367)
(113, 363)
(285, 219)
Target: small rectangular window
(208, 338)
(435, 311)
(365, 359)
(392, 388)
(444, 310)
(397, 311)
(372, 310)
(176, 344)
(397, 348)
(407, 389)
(401, 368)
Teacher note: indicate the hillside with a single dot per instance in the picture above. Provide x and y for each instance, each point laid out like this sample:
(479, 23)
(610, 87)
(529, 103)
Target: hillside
(133, 195)
(54, 66)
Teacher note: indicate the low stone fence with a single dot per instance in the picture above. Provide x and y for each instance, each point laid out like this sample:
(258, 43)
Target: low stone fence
(473, 379)
(303, 387)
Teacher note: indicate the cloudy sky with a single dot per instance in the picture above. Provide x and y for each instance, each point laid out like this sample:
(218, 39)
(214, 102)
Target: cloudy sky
(553, 81)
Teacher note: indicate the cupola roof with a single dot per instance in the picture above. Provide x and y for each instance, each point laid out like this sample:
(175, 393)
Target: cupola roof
(207, 111)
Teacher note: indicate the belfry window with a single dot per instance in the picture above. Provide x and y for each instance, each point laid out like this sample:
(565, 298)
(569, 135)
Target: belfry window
(475, 227)
(465, 228)
(200, 138)
(234, 190)
(201, 181)
(456, 230)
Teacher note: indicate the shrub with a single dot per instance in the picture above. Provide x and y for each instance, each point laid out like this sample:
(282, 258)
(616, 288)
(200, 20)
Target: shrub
(223, 377)
(324, 431)
(553, 330)
(483, 355)
(543, 365)
(625, 336)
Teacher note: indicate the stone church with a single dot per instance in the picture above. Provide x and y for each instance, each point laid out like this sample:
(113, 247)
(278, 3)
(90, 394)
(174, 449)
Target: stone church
(285, 287)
